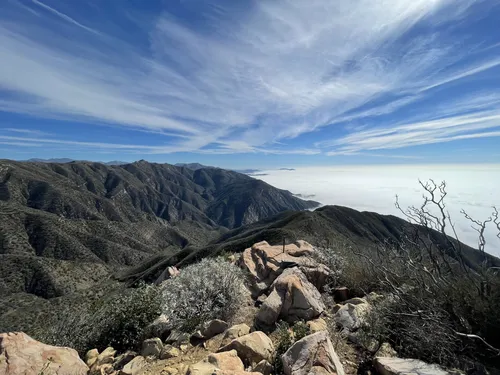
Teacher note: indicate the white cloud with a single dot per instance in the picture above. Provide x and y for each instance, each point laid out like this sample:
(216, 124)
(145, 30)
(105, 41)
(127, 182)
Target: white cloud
(473, 188)
(278, 70)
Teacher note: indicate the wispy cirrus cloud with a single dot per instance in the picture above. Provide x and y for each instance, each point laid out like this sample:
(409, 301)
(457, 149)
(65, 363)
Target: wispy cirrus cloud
(229, 78)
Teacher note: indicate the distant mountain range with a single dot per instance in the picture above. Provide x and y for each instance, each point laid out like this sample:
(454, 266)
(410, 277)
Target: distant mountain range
(67, 227)
(75, 216)
(66, 160)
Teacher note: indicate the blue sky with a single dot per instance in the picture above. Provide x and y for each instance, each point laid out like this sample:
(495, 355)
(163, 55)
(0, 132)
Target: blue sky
(251, 83)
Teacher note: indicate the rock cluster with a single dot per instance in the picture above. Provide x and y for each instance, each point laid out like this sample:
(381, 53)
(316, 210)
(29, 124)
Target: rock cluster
(285, 284)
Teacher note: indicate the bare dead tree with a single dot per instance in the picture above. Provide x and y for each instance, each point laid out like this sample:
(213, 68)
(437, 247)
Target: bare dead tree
(429, 263)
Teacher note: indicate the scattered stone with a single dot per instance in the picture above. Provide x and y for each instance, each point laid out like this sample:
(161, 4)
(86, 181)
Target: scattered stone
(123, 359)
(169, 351)
(264, 367)
(20, 354)
(211, 328)
(91, 357)
(386, 350)
(400, 366)
(351, 317)
(134, 366)
(317, 325)
(312, 354)
(293, 298)
(107, 356)
(252, 348)
(151, 347)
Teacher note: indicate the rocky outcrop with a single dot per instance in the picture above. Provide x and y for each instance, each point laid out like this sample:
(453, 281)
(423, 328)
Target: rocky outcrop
(22, 355)
(292, 298)
(234, 332)
(313, 354)
(252, 348)
(265, 263)
(400, 366)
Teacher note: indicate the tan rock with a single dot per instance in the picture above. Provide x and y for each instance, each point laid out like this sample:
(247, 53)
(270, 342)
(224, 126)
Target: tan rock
(317, 325)
(134, 367)
(27, 356)
(227, 361)
(356, 301)
(236, 331)
(312, 351)
(202, 368)
(252, 348)
(91, 357)
(263, 367)
(107, 356)
(292, 298)
(211, 328)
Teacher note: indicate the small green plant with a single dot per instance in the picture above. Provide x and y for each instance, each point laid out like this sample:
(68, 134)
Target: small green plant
(300, 330)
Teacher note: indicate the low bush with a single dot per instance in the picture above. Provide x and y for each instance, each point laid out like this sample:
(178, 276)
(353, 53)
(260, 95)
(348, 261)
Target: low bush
(209, 289)
(116, 320)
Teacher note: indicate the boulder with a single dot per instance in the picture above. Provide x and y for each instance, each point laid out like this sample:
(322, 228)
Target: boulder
(317, 325)
(265, 263)
(313, 354)
(234, 332)
(400, 366)
(252, 348)
(292, 298)
(211, 328)
(20, 354)
(151, 347)
(169, 351)
(350, 317)
(264, 367)
(227, 361)
(134, 366)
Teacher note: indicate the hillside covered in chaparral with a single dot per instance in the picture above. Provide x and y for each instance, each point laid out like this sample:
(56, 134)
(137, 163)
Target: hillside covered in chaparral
(149, 268)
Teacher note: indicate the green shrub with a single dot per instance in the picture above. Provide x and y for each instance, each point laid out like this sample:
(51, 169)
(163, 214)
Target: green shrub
(210, 289)
(116, 320)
